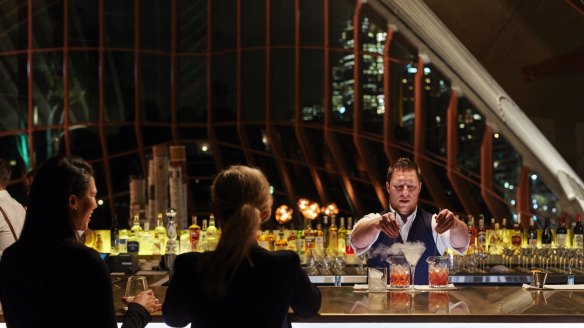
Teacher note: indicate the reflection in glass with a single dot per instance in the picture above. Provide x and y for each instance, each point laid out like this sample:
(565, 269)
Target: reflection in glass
(14, 92)
(118, 23)
(192, 25)
(253, 87)
(48, 90)
(155, 95)
(471, 127)
(191, 92)
(544, 203)
(506, 169)
(155, 25)
(435, 99)
(118, 87)
(83, 23)
(83, 87)
(282, 85)
(47, 23)
(312, 85)
(403, 70)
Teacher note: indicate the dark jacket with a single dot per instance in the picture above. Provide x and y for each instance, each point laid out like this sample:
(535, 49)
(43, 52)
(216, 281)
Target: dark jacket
(258, 296)
(60, 286)
(421, 230)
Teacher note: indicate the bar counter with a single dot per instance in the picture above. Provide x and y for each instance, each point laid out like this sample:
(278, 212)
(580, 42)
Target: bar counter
(466, 306)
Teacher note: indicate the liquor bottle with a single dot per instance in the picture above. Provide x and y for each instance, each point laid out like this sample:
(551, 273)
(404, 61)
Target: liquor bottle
(263, 240)
(99, 244)
(503, 236)
(292, 246)
(578, 233)
(532, 234)
(194, 234)
(494, 246)
(490, 233)
(325, 230)
(342, 238)
(348, 248)
(300, 242)
(203, 238)
(184, 241)
(562, 233)
(146, 240)
(309, 238)
(482, 235)
(123, 244)
(319, 240)
(516, 238)
(281, 242)
(472, 232)
(171, 234)
(271, 240)
(212, 234)
(333, 238)
(546, 237)
(114, 237)
(135, 234)
(159, 240)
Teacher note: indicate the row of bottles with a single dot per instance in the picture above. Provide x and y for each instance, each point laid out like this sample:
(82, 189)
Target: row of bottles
(496, 237)
(162, 239)
(324, 240)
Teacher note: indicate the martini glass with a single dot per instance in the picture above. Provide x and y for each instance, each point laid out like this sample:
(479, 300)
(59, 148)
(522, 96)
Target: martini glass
(413, 254)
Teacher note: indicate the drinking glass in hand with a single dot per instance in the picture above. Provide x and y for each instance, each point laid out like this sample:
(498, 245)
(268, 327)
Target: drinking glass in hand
(135, 285)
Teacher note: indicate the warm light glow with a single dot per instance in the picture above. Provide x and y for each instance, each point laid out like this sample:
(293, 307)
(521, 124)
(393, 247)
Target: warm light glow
(283, 214)
(100, 202)
(331, 209)
(309, 209)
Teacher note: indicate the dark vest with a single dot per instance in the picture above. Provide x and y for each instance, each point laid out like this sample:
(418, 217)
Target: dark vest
(421, 230)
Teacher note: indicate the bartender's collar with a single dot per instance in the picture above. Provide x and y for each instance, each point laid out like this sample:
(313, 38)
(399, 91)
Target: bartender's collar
(401, 221)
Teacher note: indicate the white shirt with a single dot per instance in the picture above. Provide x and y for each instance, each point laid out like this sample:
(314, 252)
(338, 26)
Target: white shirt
(16, 214)
(442, 240)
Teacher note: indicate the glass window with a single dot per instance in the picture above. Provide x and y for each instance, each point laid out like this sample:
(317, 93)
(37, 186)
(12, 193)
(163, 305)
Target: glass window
(155, 91)
(83, 87)
(253, 87)
(341, 24)
(155, 25)
(201, 196)
(544, 202)
(192, 25)
(154, 135)
(257, 137)
(48, 90)
(119, 23)
(268, 165)
(200, 161)
(373, 100)
(435, 99)
(378, 159)
(445, 187)
(342, 88)
(118, 87)
(47, 144)
(193, 133)
(14, 91)
(231, 155)
(282, 85)
(471, 127)
(120, 138)
(253, 26)
(85, 142)
(224, 88)
(47, 23)
(506, 169)
(282, 23)
(403, 70)
(227, 134)
(83, 23)
(302, 181)
(14, 25)
(335, 191)
(224, 18)
(311, 22)
(352, 160)
(318, 149)
(121, 169)
(290, 146)
(366, 196)
(312, 85)
(191, 93)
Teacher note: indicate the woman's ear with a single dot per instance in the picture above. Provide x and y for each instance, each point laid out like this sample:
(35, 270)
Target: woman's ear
(73, 202)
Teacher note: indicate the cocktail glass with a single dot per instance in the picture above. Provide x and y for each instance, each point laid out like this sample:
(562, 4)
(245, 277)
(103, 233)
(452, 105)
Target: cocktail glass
(413, 252)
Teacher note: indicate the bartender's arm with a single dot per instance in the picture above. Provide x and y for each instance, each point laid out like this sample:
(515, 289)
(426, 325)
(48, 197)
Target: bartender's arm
(459, 237)
(368, 228)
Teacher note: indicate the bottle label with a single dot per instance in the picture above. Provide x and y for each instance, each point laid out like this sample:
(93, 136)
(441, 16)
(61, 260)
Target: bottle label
(516, 240)
(561, 240)
(532, 242)
(133, 247)
(579, 241)
(171, 246)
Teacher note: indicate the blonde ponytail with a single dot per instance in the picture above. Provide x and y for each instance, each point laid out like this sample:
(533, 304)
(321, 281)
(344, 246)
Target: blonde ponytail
(237, 195)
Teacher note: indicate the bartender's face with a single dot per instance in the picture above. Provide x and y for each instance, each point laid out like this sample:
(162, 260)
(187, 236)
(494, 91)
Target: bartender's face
(404, 190)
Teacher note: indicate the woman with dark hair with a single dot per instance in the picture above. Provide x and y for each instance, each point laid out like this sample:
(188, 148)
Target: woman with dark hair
(240, 284)
(48, 278)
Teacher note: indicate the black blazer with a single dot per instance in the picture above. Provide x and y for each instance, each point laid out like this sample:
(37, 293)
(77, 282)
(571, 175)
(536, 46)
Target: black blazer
(67, 285)
(258, 296)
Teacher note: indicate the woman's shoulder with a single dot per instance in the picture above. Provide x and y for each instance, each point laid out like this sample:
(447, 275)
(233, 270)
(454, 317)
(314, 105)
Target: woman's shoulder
(74, 249)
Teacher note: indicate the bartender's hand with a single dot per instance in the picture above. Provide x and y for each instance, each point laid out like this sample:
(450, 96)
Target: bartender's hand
(445, 221)
(388, 225)
(146, 299)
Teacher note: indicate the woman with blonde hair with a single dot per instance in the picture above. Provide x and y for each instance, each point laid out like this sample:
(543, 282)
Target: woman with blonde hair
(240, 283)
